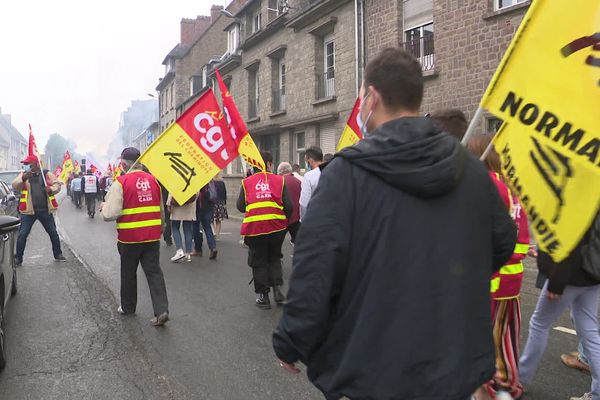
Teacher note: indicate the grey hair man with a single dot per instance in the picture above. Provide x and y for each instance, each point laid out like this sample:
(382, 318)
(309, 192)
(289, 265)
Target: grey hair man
(284, 168)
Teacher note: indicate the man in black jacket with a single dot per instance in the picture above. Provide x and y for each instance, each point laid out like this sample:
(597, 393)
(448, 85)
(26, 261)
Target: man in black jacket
(389, 297)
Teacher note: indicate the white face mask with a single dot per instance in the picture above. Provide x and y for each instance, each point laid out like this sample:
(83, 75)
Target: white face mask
(363, 125)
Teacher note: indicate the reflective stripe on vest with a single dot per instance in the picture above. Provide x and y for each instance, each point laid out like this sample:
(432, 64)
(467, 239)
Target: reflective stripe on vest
(23, 200)
(139, 224)
(494, 285)
(140, 210)
(263, 204)
(521, 248)
(512, 269)
(263, 217)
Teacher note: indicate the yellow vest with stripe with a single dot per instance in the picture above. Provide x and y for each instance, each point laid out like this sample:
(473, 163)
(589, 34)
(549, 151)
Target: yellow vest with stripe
(264, 205)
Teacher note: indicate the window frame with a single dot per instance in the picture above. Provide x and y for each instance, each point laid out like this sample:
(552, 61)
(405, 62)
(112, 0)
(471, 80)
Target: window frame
(204, 75)
(233, 39)
(300, 153)
(256, 21)
(497, 6)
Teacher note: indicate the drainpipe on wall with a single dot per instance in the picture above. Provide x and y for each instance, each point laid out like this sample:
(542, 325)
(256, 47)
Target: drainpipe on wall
(359, 54)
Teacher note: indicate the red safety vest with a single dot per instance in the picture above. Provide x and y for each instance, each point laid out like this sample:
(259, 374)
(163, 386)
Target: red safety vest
(506, 283)
(140, 220)
(264, 205)
(25, 196)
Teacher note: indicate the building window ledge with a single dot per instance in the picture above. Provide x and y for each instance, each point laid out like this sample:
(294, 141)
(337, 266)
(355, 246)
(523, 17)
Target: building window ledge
(253, 120)
(324, 100)
(278, 113)
(490, 14)
(430, 74)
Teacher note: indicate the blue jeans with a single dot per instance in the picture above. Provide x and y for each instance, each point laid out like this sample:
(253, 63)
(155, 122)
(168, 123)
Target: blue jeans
(187, 233)
(584, 308)
(27, 222)
(204, 216)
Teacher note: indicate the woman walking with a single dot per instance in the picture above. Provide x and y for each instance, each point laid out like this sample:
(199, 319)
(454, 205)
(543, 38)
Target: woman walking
(505, 286)
(182, 214)
(220, 206)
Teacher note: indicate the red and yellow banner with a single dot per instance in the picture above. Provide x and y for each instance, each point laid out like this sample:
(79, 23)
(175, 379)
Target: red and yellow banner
(77, 167)
(193, 150)
(238, 130)
(352, 133)
(67, 167)
(32, 147)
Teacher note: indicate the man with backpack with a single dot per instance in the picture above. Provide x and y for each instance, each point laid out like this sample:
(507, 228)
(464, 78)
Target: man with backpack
(205, 207)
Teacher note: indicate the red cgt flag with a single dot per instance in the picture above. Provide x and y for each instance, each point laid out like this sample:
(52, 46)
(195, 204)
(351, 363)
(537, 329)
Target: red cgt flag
(237, 128)
(32, 148)
(352, 133)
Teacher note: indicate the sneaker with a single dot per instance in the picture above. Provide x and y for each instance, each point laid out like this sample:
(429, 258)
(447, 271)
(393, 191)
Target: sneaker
(122, 312)
(587, 396)
(262, 301)
(196, 253)
(572, 361)
(277, 295)
(213, 255)
(179, 254)
(160, 320)
(501, 395)
(60, 258)
(188, 258)
(18, 262)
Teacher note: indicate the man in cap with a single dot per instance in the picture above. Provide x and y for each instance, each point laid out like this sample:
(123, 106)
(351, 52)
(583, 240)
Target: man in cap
(37, 202)
(134, 201)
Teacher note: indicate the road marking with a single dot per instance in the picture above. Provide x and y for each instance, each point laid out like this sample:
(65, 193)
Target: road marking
(226, 233)
(565, 330)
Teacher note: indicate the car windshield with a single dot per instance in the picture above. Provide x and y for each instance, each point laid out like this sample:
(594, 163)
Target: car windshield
(8, 176)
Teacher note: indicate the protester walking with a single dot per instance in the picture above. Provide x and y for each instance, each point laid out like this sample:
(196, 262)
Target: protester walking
(76, 190)
(267, 207)
(505, 286)
(452, 121)
(220, 212)
(293, 187)
(136, 204)
(205, 206)
(569, 284)
(36, 203)
(182, 215)
(399, 310)
(90, 188)
(310, 181)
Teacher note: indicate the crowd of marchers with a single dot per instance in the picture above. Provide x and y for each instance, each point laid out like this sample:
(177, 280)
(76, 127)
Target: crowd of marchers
(408, 253)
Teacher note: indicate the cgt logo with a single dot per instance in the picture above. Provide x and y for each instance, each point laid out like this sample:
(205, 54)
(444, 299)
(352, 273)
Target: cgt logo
(576, 45)
(142, 184)
(262, 186)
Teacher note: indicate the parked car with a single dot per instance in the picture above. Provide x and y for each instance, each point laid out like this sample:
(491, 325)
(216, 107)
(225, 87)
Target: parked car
(8, 274)
(9, 176)
(9, 201)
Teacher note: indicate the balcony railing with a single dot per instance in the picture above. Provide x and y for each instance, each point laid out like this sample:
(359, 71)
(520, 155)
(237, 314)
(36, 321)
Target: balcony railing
(422, 49)
(278, 103)
(252, 108)
(326, 85)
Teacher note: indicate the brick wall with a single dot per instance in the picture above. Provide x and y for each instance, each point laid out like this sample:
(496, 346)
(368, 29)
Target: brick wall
(383, 25)
(191, 29)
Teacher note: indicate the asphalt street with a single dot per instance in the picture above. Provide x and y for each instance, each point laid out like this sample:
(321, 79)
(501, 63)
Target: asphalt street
(66, 340)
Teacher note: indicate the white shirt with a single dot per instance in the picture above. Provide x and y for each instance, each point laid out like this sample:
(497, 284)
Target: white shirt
(297, 176)
(309, 185)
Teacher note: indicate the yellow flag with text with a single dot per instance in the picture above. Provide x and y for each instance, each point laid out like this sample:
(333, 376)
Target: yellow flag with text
(547, 91)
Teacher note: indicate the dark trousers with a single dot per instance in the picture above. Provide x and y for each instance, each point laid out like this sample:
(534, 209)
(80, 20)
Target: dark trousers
(264, 257)
(167, 233)
(293, 230)
(77, 198)
(90, 200)
(147, 254)
(27, 222)
(204, 216)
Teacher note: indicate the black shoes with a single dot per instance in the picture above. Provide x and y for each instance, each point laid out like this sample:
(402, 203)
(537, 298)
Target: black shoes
(262, 301)
(213, 255)
(18, 262)
(277, 295)
(60, 258)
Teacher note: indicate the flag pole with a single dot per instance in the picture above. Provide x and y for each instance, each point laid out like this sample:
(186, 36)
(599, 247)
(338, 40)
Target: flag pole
(487, 151)
(472, 126)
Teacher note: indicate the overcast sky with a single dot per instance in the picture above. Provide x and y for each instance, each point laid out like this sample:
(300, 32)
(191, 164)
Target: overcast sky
(72, 66)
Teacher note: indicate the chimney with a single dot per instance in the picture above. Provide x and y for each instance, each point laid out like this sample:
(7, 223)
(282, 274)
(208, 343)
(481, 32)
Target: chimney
(191, 29)
(215, 10)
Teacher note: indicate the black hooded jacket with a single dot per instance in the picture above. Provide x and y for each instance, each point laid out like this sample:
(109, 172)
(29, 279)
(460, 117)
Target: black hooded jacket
(389, 297)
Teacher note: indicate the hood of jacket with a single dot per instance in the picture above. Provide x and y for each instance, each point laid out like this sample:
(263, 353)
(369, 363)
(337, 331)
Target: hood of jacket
(410, 153)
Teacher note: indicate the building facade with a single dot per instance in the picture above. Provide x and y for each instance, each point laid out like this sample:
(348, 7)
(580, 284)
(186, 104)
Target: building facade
(458, 42)
(13, 146)
(140, 115)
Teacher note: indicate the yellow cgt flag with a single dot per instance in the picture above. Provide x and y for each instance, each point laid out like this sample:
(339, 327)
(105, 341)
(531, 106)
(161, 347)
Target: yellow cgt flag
(547, 91)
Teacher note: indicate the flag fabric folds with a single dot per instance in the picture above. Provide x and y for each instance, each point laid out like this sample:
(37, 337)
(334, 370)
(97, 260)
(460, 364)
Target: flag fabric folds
(351, 134)
(193, 150)
(67, 167)
(237, 128)
(547, 91)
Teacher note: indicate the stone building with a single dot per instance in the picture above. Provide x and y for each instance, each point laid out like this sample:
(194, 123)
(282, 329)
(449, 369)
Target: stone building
(459, 43)
(13, 146)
